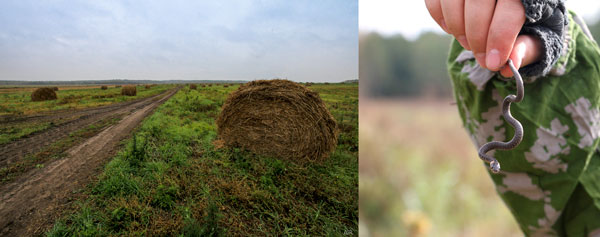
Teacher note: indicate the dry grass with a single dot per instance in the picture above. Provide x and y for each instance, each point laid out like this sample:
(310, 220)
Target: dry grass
(278, 118)
(42, 94)
(129, 91)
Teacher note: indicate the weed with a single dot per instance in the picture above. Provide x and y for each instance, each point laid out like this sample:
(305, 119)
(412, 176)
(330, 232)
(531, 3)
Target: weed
(137, 153)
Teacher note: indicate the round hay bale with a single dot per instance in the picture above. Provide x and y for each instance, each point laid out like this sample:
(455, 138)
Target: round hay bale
(147, 86)
(129, 91)
(225, 86)
(103, 87)
(44, 93)
(117, 86)
(278, 118)
(55, 88)
(192, 86)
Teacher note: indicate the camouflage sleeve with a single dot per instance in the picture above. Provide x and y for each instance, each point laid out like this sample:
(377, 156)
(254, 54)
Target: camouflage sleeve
(556, 165)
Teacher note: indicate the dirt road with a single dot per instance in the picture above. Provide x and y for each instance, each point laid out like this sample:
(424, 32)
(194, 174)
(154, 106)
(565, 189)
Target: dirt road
(31, 203)
(66, 123)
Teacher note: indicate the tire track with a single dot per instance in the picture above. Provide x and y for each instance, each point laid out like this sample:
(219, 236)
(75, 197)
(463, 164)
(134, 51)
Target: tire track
(34, 143)
(31, 203)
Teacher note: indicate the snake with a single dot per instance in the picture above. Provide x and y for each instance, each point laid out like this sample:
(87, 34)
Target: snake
(518, 136)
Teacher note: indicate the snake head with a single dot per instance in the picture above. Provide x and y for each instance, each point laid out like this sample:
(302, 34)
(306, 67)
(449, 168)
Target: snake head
(495, 166)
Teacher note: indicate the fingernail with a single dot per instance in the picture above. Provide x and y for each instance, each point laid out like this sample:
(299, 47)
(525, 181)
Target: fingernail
(463, 41)
(493, 59)
(443, 24)
(480, 58)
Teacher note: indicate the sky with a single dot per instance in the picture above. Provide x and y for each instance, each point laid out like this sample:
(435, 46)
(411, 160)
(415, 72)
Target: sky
(410, 17)
(161, 40)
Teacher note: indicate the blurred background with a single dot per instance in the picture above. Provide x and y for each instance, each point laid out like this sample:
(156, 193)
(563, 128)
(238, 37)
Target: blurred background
(419, 172)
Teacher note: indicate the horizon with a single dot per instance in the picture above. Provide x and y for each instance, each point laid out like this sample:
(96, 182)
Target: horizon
(5, 82)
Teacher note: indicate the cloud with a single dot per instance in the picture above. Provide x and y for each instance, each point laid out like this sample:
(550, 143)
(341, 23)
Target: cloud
(300, 40)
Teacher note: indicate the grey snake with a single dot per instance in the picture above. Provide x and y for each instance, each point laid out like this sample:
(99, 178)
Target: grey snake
(518, 137)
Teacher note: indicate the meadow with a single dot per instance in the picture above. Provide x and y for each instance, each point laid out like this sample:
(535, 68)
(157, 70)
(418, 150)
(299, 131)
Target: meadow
(420, 174)
(172, 178)
(16, 102)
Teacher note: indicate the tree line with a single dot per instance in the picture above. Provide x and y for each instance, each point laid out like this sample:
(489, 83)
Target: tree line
(392, 66)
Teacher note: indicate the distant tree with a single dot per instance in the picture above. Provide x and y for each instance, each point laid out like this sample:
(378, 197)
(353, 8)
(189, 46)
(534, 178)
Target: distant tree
(394, 66)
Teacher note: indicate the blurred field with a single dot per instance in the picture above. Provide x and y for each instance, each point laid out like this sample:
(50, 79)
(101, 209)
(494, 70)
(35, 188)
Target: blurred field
(420, 174)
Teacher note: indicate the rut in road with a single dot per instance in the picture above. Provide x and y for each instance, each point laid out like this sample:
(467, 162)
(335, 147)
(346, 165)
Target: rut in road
(31, 203)
(32, 144)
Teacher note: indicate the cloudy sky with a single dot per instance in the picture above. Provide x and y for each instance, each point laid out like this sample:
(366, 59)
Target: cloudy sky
(203, 40)
(410, 17)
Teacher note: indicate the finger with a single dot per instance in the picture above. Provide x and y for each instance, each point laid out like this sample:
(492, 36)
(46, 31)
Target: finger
(527, 50)
(435, 10)
(478, 16)
(507, 21)
(453, 11)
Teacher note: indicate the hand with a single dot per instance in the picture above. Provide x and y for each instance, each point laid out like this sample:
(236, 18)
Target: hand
(490, 29)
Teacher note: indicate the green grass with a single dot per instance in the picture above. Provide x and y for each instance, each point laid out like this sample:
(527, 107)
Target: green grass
(170, 180)
(11, 132)
(52, 152)
(19, 102)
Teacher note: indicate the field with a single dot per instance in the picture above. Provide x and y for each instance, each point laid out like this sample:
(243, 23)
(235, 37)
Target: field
(171, 178)
(16, 101)
(420, 174)
(16, 104)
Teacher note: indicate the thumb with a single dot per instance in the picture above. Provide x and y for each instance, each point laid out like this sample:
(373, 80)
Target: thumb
(527, 50)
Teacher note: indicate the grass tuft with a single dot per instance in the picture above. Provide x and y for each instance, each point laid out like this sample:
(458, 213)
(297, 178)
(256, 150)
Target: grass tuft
(170, 179)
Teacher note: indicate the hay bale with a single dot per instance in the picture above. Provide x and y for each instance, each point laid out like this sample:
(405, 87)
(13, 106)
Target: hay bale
(209, 85)
(103, 87)
(129, 91)
(278, 118)
(118, 86)
(44, 93)
(55, 88)
(192, 86)
(225, 86)
(147, 86)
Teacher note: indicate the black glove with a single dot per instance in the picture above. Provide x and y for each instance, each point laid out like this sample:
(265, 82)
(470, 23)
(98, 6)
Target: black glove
(546, 19)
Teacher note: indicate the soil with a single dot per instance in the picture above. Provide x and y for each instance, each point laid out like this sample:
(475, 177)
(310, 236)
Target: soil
(65, 122)
(30, 204)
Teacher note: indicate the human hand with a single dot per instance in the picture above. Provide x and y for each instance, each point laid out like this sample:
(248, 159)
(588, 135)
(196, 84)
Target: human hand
(490, 29)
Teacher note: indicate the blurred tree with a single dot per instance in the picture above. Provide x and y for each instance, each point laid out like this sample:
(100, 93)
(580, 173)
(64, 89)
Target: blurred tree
(392, 66)
(595, 29)
(385, 64)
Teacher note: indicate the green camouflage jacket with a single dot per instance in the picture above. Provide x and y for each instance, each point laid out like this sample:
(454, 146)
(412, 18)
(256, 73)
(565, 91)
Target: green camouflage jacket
(551, 181)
